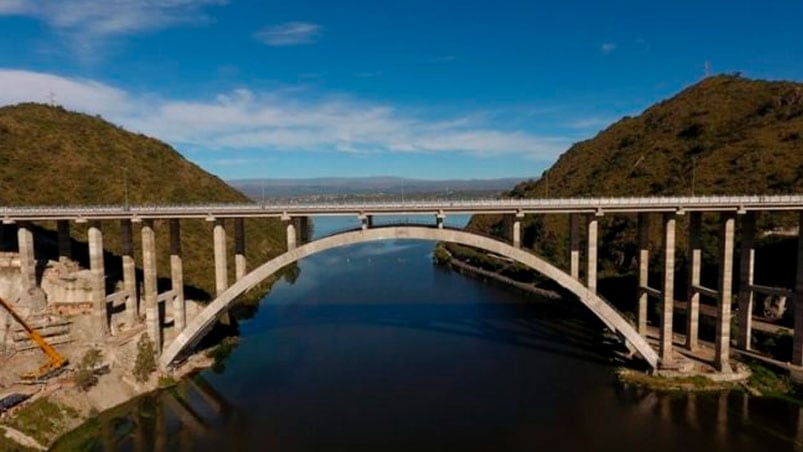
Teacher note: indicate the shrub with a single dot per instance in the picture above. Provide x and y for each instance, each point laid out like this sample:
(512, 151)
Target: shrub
(146, 360)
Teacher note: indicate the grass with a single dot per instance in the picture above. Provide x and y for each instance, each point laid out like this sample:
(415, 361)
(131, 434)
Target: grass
(8, 445)
(679, 384)
(42, 420)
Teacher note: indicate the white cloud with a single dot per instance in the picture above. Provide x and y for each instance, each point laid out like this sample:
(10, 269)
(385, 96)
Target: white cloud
(276, 121)
(607, 47)
(289, 34)
(87, 23)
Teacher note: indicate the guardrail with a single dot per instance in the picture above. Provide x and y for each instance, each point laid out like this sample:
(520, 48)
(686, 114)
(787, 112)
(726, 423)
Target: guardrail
(554, 205)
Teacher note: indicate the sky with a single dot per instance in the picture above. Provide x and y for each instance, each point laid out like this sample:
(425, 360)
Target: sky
(424, 89)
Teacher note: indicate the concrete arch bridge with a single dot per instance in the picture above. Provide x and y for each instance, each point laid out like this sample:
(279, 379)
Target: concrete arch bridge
(583, 213)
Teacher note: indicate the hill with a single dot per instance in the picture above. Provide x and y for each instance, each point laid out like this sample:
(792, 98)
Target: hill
(51, 156)
(723, 135)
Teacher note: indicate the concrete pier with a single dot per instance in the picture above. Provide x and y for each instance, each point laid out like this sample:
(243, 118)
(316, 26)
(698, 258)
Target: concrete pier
(695, 261)
(129, 273)
(574, 246)
(99, 312)
(723, 328)
(797, 348)
(239, 249)
(439, 218)
(291, 235)
(64, 242)
(177, 277)
(591, 255)
(152, 321)
(643, 266)
(27, 256)
(667, 304)
(517, 230)
(747, 261)
(221, 264)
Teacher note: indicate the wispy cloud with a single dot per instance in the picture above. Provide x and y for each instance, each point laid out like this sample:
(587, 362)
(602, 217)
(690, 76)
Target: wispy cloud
(87, 23)
(278, 121)
(289, 34)
(607, 47)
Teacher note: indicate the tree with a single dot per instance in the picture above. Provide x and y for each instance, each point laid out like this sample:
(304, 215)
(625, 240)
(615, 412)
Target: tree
(146, 360)
(85, 376)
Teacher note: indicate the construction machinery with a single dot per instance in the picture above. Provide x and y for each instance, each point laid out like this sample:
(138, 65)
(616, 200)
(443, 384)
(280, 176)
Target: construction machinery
(56, 363)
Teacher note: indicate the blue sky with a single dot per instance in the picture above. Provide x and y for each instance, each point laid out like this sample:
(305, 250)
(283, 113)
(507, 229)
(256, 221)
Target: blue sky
(428, 89)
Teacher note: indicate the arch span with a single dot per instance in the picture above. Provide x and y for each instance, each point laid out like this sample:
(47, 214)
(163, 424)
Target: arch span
(199, 325)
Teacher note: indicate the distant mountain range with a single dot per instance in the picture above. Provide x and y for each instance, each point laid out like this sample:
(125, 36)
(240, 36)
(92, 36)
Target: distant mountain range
(370, 186)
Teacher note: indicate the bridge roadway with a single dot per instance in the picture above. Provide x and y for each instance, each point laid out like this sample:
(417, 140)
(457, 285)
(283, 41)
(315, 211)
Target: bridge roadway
(599, 206)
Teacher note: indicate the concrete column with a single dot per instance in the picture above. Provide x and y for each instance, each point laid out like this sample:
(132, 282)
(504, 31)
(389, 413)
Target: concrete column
(667, 305)
(643, 266)
(797, 349)
(129, 273)
(177, 276)
(99, 311)
(363, 222)
(153, 323)
(574, 246)
(27, 257)
(695, 262)
(517, 230)
(65, 245)
(239, 249)
(439, 219)
(221, 265)
(746, 264)
(723, 329)
(291, 235)
(591, 255)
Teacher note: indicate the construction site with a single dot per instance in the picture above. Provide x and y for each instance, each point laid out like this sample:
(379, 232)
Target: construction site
(45, 332)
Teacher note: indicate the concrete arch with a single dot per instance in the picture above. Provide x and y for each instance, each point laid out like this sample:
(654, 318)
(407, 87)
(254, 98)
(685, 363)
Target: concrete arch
(199, 325)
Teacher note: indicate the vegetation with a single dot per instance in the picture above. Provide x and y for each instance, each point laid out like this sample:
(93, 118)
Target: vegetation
(9, 445)
(50, 156)
(145, 363)
(220, 352)
(85, 376)
(43, 419)
(672, 384)
(724, 135)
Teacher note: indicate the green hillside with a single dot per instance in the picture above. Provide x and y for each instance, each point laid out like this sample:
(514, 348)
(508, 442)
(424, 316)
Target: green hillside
(50, 156)
(724, 135)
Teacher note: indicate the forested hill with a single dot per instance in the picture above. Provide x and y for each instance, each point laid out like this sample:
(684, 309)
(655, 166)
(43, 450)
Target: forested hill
(730, 134)
(51, 156)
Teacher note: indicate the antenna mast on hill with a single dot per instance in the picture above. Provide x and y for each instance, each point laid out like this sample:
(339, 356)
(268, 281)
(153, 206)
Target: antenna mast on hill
(707, 69)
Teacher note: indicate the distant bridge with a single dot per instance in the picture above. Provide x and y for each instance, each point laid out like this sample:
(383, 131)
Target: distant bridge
(581, 212)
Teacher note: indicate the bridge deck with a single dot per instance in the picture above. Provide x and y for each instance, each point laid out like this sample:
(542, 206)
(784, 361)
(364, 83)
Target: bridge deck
(598, 206)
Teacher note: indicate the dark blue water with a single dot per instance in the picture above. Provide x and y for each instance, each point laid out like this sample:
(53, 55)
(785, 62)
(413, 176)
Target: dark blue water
(375, 348)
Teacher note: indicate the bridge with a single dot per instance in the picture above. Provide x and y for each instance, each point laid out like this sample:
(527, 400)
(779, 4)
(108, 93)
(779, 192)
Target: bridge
(583, 214)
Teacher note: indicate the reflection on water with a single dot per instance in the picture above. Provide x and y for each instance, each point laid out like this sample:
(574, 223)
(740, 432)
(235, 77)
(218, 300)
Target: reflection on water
(373, 348)
(194, 416)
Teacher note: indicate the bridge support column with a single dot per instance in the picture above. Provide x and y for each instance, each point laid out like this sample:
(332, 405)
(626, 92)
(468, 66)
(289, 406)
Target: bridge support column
(591, 255)
(643, 266)
(439, 219)
(667, 304)
(695, 261)
(291, 234)
(797, 349)
(574, 246)
(27, 256)
(517, 229)
(747, 261)
(177, 276)
(723, 329)
(239, 249)
(221, 265)
(129, 273)
(153, 324)
(65, 246)
(99, 311)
